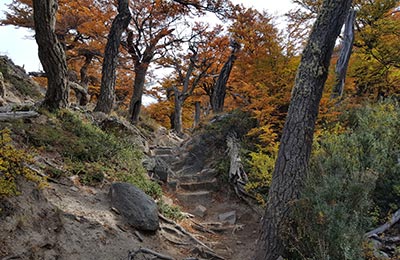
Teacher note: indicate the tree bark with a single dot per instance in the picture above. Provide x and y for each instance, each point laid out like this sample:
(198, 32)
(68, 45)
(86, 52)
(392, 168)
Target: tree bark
(197, 111)
(89, 55)
(218, 95)
(138, 87)
(179, 100)
(51, 54)
(345, 53)
(295, 148)
(107, 89)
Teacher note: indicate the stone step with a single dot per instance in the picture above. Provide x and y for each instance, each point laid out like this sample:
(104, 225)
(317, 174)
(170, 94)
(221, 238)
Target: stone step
(203, 176)
(198, 186)
(169, 159)
(163, 151)
(194, 198)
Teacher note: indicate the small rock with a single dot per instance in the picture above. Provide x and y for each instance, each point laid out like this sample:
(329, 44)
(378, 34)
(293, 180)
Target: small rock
(229, 217)
(74, 188)
(200, 211)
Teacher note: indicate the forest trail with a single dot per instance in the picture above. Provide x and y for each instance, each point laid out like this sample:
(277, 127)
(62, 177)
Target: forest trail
(217, 216)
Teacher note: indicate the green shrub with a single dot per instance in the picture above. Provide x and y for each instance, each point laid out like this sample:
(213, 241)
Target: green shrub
(89, 152)
(171, 212)
(260, 176)
(12, 164)
(348, 165)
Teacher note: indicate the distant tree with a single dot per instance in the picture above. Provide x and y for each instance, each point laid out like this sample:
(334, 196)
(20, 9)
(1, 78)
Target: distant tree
(149, 36)
(295, 148)
(194, 68)
(219, 92)
(107, 89)
(51, 54)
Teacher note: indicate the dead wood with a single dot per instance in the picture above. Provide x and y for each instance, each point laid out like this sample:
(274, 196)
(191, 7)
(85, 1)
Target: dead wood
(201, 228)
(179, 228)
(237, 175)
(395, 218)
(143, 250)
(7, 116)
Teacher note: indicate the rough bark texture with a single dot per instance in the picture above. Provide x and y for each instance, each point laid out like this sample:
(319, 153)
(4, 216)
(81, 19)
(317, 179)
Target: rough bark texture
(138, 87)
(345, 53)
(218, 96)
(197, 111)
(179, 99)
(107, 89)
(51, 53)
(294, 151)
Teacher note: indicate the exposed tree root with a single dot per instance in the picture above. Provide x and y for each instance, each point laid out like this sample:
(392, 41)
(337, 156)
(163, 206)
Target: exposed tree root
(142, 250)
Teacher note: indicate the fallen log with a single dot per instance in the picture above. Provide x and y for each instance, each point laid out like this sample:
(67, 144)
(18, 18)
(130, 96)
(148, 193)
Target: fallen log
(379, 230)
(7, 116)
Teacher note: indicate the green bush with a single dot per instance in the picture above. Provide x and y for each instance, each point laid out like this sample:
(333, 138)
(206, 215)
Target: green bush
(348, 165)
(89, 152)
(13, 164)
(171, 212)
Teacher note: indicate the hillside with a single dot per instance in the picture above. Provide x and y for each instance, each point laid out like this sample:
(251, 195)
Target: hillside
(71, 159)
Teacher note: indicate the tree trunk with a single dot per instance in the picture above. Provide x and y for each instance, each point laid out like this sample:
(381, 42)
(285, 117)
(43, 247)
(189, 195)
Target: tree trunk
(51, 54)
(218, 96)
(295, 148)
(84, 99)
(197, 111)
(107, 89)
(345, 53)
(179, 99)
(138, 87)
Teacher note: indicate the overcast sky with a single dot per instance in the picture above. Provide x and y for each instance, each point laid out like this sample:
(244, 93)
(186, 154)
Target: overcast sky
(19, 45)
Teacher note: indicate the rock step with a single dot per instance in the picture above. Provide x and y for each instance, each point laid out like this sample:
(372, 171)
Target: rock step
(163, 151)
(200, 186)
(203, 176)
(170, 159)
(194, 198)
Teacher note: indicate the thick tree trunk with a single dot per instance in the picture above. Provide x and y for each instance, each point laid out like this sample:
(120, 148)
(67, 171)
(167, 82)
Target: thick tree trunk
(178, 113)
(197, 111)
(179, 99)
(138, 87)
(345, 53)
(51, 54)
(107, 89)
(295, 148)
(218, 95)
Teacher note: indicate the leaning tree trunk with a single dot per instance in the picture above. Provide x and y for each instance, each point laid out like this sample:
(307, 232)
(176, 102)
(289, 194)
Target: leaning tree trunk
(51, 53)
(345, 53)
(218, 96)
(295, 148)
(107, 89)
(138, 88)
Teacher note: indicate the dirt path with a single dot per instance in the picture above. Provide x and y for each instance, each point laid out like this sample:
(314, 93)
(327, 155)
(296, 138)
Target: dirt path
(203, 194)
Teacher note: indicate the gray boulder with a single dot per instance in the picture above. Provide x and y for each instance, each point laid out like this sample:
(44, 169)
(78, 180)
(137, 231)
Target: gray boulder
(162, 169)
(135, 206)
